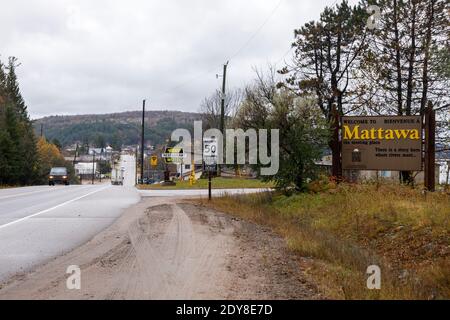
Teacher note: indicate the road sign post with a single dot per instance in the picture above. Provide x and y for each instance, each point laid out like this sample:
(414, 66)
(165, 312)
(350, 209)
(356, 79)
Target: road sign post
(170, 156)
(336, 168)
(209, 185)
(430, 127)
(210, 159)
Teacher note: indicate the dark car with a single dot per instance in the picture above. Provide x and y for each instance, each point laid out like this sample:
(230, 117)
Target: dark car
(58, 175)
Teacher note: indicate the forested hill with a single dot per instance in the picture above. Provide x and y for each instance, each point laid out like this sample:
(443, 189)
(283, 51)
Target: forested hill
(115, 129)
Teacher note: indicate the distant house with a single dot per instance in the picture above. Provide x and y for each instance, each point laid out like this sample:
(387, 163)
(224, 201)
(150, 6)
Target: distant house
(444, 173)
(101, 153)
(443, 158)
(97, 151)
(71, 148)
(85, 168)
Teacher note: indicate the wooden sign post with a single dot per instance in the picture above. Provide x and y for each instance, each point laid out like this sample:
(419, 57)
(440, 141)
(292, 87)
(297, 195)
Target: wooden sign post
(430, 137)
(210, 159)
(336, 170)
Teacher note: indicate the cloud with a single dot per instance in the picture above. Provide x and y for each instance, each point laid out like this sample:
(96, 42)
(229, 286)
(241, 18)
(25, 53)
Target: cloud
(106, 56)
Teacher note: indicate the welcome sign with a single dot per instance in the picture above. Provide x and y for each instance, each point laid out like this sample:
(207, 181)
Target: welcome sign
(382, 143)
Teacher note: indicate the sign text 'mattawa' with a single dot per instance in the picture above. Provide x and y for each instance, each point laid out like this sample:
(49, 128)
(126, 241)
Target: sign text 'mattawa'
(379, 134)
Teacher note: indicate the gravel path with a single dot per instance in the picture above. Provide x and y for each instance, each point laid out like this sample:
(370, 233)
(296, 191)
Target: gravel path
(162, 248)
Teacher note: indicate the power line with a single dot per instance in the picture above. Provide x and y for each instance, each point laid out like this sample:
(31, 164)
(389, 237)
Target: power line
(188, 81)
(284, 55)
(257, 31)
(292, 47)
(249, 40)
(334, 2)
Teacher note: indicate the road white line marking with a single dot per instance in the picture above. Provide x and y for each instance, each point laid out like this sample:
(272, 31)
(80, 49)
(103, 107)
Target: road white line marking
(21, 194)
(38, 191)
(52, 208)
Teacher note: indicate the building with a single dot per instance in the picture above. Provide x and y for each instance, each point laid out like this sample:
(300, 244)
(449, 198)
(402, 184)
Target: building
(85, 167)
(444, 174)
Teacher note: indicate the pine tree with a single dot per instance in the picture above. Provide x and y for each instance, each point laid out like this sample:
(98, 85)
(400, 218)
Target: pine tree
(18, 160)
(402, 65)
(13, 91)
(5, 140)
(326, 53)
(403, 62)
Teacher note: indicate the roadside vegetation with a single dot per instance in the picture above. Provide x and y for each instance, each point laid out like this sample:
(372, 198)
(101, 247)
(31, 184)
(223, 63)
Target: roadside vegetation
(346, 228)
(217, 183)
(24, 158)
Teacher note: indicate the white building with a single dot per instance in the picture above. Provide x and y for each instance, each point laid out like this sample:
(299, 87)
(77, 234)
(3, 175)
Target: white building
(85, 168)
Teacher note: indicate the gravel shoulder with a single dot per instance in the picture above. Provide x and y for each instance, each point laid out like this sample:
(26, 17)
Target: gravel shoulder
(165, 248)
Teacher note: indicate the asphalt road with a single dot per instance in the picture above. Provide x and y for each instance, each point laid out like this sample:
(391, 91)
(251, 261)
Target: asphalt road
(42, 222)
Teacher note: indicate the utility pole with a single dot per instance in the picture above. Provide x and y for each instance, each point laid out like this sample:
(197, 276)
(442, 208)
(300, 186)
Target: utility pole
(142, 141)
(42, 129)
(136, 165)
(93, 166)
(75, 160)
(100, 165)
(222, 111)
(75, 156)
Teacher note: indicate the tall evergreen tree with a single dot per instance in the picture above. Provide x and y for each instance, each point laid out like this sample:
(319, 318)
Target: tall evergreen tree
(403, 64)
(18, 160)
(12, 89)
(5, 140)
(327, 52)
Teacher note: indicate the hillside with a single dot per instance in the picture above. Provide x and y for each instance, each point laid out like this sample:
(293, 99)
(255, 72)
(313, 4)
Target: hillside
(116, 128)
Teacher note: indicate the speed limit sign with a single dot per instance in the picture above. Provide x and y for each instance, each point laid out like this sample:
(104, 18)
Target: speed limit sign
(210, 151)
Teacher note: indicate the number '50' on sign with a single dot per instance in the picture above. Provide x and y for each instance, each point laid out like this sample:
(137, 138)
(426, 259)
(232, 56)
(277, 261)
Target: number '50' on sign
(209, 147)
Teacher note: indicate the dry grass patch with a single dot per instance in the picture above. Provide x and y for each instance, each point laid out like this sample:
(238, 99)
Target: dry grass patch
(217, 183)
(349, 227)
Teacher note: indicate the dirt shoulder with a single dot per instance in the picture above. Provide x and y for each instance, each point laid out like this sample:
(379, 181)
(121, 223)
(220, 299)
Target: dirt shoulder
(164, 248)
(346, 228)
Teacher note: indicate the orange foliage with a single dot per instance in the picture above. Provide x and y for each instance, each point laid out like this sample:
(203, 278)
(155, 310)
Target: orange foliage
(49, 155)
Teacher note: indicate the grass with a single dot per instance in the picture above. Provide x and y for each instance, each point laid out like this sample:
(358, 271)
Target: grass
(346, 228)
(217, 183)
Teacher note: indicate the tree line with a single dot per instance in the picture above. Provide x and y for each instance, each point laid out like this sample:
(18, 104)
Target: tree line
(339, 60)
(24, 159)
(106, 132)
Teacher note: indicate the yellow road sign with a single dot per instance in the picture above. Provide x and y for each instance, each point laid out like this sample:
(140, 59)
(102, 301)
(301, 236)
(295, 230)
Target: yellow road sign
(173, 155)
(154, 161)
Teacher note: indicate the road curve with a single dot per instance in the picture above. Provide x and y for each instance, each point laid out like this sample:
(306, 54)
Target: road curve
(39, 223)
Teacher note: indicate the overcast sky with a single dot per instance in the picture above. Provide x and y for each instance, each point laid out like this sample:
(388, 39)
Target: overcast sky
(101, 56)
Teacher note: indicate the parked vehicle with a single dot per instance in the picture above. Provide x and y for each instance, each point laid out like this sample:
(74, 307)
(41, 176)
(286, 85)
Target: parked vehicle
(58, 175)
(117, 176)
(147, 181)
